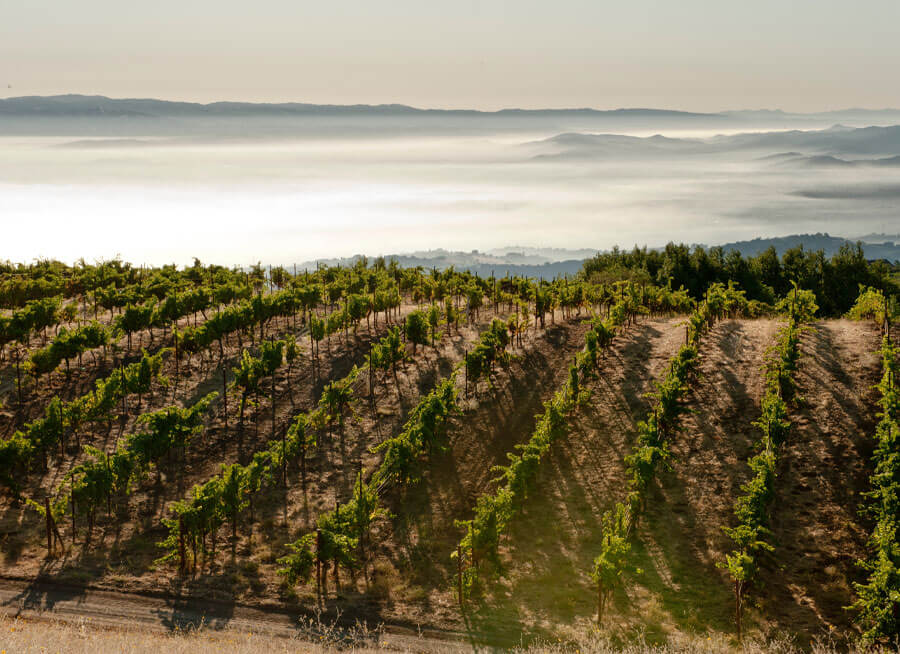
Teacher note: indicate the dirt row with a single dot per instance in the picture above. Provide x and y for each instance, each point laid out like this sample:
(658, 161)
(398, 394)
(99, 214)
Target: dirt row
(680, 543)
(551, 548)
(823, 471)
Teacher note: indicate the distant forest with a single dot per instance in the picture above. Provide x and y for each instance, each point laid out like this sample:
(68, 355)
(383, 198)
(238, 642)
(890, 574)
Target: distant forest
(835, 280)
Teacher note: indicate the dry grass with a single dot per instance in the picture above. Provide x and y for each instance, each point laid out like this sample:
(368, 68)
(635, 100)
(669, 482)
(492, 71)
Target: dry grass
(20, 636)
(681, 643)
(27, 636)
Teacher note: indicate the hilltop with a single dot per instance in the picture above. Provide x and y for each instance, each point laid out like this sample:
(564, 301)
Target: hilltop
(557, 262)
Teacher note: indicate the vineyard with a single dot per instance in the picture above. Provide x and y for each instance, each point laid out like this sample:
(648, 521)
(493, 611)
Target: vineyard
(646, 448)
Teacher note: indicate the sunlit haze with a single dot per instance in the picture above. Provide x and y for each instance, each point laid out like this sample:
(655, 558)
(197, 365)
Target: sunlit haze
(805, 55)
(95, 177)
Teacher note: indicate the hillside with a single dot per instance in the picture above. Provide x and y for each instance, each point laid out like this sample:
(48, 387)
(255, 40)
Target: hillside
(553, 263)
(555, 541)
(830, 245)
(455, 480)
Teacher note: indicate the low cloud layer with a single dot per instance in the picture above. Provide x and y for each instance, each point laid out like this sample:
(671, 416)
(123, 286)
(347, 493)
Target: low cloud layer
(264, 196)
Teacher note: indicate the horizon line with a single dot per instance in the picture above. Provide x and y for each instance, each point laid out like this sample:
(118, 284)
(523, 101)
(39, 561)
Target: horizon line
(425, 109)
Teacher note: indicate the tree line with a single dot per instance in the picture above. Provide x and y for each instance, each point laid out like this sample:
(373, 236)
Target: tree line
(766, 277)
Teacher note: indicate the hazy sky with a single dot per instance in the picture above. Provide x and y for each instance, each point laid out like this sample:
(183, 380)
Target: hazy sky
(690, 54)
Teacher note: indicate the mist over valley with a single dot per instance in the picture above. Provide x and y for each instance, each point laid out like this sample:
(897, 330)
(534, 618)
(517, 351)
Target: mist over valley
(292, 183)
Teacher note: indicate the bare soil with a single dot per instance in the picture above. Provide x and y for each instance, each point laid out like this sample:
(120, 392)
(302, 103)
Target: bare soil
(823, 470)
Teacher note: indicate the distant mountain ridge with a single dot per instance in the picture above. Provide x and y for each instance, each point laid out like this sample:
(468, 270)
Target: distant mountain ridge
(829, 244)
(555, 262)
(530, 262)
(81, 116)
(823, 145)
(830, 161)
(98, 105)
(878, 238)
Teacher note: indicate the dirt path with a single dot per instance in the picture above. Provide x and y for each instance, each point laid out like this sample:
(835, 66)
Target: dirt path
(823, 469)
(105, 609)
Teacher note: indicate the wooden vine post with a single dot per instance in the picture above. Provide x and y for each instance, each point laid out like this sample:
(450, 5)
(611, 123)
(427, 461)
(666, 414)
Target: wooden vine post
(109, 487)
(319, 580)
(599, 601)
(175, 343)
(283, 456)
(494, 291)
(372, 384)
(274, 389)
(362, 520)
(459, 575)
(124, 389)
(466, 373)
(284, 471)
(224, 391)
(49, 517)
(518, 340)
(337, 579)
(19, 374)
(182, 558)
